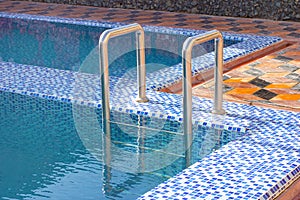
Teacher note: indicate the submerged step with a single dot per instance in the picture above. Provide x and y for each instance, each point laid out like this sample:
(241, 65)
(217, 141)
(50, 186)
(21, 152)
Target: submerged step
(84, 89)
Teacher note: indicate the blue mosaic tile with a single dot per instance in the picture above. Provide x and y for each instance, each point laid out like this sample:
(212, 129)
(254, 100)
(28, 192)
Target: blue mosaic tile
(84, 89)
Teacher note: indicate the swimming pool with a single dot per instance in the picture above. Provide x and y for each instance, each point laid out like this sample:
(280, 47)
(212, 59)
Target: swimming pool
(49, 149)
(162, 113)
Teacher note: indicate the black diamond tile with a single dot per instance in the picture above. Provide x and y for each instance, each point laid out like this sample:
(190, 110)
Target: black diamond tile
(132, 16)
(45, 13)
(157, 17)
(235, 29)
(230, 19)
(290, 29)
(68, 10)
(134, 11)
(107, 18)
(85, 16)
(293, 76)
(180, 19)
(157, 13)
(257, 22)
(110, 14)
(63, 15)
(284, 24)
(155, 22)
(180, 24)
(254, 72)
(265, 94)
(204, 17)
(28, 8)
(8, 7)
(180, 15)
(259, 82)
(290, 68)
(253, 64)
(234, 24)
(128, 20)
(207, 21)
(260, 26)
(208, 26)
(265, 32)
(283, 58)
(297, 35)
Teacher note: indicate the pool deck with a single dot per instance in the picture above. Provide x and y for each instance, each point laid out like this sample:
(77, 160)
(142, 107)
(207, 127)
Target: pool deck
(270, 81)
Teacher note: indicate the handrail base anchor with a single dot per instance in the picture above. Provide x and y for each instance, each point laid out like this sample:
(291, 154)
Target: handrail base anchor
(142, 100)
(219, 112)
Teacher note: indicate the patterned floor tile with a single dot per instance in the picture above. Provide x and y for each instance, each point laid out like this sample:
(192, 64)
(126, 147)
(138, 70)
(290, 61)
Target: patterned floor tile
(243, 91)
(290, 68)
(254, 72)
(281, 85)
(293, 76)
(265, 94)
(287, 97)
(259, 82)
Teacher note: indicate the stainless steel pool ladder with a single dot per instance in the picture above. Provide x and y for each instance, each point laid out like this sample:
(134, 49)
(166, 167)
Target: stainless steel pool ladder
(103, 59)
(187, 79)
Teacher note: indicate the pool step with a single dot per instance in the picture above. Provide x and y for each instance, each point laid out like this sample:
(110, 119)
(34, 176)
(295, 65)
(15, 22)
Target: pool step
(83, 89)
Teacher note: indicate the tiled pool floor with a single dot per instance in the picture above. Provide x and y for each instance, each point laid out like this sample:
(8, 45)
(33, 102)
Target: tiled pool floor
(278, 87)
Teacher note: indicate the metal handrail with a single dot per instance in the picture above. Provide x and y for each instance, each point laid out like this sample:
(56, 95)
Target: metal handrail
(187, 76)
(103, 61)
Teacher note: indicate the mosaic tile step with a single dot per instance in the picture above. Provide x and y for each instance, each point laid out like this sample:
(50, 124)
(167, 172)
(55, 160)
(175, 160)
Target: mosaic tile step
(84, 89)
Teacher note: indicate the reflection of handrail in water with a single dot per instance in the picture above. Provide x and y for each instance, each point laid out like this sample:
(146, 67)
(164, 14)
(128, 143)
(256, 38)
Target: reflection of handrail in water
(210, 142)
(188, 45)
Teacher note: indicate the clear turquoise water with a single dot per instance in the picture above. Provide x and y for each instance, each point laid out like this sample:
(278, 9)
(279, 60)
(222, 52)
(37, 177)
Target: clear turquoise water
(69, 46)
(44, 154)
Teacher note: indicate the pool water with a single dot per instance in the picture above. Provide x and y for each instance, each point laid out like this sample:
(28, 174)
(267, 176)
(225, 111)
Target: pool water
(51, 150)
(67, 46)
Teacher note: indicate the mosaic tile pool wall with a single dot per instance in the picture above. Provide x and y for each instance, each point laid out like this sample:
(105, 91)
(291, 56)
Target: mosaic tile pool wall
(42, 46)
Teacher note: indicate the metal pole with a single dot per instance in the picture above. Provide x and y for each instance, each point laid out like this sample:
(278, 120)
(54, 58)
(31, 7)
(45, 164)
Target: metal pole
(187, 97)
(141, 68)
(218, 77)
(103, 61)
(187, 81)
